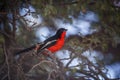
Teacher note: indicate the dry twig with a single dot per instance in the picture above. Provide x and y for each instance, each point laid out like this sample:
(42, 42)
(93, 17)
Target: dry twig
(7, 62)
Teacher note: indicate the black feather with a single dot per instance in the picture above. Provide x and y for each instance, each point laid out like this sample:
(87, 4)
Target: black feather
(25, 50)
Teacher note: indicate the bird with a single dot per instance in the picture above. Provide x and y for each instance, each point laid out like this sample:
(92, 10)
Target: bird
(52, 44)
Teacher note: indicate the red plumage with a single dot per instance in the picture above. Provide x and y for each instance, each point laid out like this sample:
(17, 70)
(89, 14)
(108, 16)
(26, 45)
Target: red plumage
(59, 44)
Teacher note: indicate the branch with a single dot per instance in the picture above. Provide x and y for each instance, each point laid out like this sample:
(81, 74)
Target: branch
(7, 35)
(70, 61)
(89, 63)
(51, 74)
(84, 72)
(3, 13)
(96, 68)
(4, 77)
(3, 66)
(65, 59)
(7, 62)
(19, 16)
(44, 61)
(67, 3)
(115, 79)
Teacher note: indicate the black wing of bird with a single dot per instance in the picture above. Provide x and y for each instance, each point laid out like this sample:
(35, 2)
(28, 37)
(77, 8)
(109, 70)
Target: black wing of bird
(48, 43)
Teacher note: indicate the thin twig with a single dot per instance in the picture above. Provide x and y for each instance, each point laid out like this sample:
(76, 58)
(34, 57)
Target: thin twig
(5, 34)
(65, 59)
(49, 75)
(41, 63)
(7, 62)
(4, 77)
(67, 3)
(2, 68)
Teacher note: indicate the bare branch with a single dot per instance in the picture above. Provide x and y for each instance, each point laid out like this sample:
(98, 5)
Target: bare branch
(67, 65)
(7, 62)
(3, 66)
(4, 77)
(67, 3)
(5, 34)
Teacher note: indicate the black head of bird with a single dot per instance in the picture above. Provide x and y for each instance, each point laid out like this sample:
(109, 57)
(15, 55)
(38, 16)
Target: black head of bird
(61, 32)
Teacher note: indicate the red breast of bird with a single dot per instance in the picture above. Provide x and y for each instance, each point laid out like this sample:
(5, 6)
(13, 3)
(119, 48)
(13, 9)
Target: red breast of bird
(59, 44)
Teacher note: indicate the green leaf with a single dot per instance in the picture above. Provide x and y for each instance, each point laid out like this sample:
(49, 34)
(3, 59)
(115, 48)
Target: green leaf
(50, 10)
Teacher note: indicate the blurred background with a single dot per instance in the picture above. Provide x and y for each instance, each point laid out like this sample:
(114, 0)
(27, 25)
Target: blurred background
(92, 45)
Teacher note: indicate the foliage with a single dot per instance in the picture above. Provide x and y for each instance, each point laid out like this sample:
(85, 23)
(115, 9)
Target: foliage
(25, 38)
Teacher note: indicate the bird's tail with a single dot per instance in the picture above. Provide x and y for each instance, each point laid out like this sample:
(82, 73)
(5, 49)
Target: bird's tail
(25, 50)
